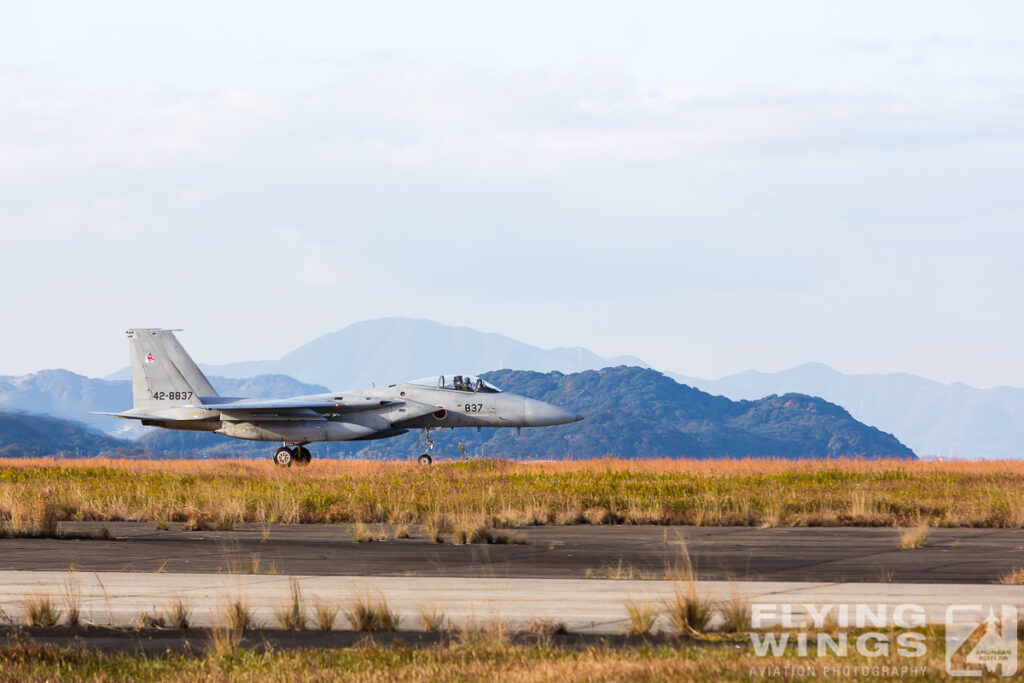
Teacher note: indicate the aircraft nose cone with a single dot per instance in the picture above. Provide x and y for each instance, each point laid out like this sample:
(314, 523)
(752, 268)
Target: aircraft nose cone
(540, 414)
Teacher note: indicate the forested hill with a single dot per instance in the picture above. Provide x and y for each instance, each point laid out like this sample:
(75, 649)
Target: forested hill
(22, 434)
(636, 412)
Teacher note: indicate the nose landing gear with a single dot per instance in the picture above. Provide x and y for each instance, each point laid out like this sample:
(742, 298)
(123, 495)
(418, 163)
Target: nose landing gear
(428, 440)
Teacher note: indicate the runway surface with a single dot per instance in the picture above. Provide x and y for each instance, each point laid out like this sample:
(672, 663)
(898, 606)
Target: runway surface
(585, 606)
(979, 556)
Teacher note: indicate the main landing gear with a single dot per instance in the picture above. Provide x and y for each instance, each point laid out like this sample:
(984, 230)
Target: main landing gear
(284, 456)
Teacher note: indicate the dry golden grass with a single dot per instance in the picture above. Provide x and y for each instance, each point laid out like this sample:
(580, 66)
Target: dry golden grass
(325, 613)
(363, 534)
(256, 565)
(688, 611)
(291, 616)
(546, 627)
(41, 610)
(462, 497)
(432, 620)
(736, 614)
(179, 615)
(151, 620)
(223, 641)
(641, 617)
(484, 634)
(915, 537)
(621, 571)
(72, 603)
(1014, 578)
(459, 662)
(238, 614)
(33, 515)
(366, 614)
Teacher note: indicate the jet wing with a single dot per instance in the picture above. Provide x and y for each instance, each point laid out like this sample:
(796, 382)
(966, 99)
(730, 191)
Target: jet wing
(259, 405)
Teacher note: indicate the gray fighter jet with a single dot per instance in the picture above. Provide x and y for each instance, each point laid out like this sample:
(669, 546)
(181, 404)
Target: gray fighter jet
(170, 391)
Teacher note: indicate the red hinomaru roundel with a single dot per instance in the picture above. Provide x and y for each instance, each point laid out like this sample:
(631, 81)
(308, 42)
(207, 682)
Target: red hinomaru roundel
(150, 358)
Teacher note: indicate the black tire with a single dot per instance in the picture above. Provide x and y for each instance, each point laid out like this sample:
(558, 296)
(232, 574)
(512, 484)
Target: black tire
(303, 456)
(283, 457)
(424, 459)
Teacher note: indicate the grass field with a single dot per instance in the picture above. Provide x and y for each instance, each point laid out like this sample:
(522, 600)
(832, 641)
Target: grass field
(462, 660)
(34, 493)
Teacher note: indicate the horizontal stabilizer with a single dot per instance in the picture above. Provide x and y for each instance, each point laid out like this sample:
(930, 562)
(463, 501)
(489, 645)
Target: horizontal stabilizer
(131, 416)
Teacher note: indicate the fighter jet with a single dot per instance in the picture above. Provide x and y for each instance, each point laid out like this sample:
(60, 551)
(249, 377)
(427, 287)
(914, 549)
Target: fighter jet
(170, 391)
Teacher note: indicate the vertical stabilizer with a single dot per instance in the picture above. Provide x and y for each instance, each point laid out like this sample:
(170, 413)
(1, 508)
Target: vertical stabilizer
(163, 374)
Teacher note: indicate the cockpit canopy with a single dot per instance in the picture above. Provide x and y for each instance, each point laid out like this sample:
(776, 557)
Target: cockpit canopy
(458, 383)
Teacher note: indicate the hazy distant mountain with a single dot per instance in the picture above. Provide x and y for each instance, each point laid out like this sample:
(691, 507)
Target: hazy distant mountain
(391, 350)
(70, 396)
(930, 417)
(67, 395)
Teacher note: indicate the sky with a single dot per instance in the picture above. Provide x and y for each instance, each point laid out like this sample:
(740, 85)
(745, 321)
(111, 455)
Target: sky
(712, 187)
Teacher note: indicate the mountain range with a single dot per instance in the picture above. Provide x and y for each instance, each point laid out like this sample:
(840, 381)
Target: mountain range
(629, 412)
(930, 417)
(951, 420)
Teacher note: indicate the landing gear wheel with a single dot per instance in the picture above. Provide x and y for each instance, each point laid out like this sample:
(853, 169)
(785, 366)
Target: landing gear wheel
(283, 456)
(424, 459)
(302, 456)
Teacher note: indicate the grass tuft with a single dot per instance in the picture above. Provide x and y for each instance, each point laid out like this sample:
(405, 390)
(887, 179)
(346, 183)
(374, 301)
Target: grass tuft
(292, 615)
(1014, 578)
(223, 641)
(546, 627)
(179, 615)
(641, 618)
(363, 534)
(470, 528)
(196, 521)
(72, 603)
(622, 571)
(688, 612)
(432, 620)
(492, 635)
(34, 516)
(325, 613)
(41, 610)
(152, 620)
(434, 527)
(256, 565)
(736, 615)
(366, 614)
(238, 614)
(915, 537)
